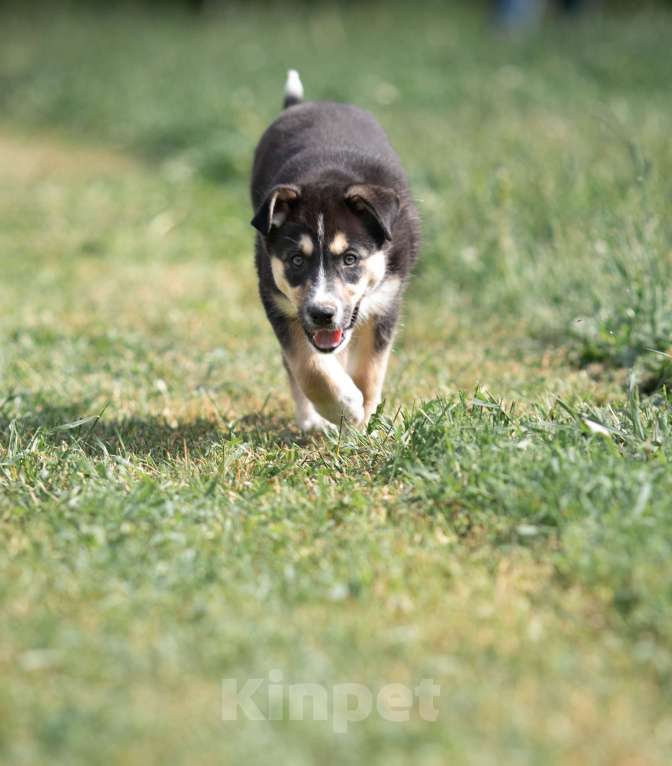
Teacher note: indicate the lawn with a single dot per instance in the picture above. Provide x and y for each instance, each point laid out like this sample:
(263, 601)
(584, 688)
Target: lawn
(504, 527)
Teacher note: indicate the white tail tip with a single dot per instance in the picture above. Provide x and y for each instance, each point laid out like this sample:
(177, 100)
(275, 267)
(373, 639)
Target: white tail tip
(293, 86)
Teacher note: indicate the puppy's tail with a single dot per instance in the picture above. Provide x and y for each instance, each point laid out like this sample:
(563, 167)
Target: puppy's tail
(293, 89)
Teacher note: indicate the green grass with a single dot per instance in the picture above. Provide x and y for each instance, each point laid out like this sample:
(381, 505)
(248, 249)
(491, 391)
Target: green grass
(504, 527)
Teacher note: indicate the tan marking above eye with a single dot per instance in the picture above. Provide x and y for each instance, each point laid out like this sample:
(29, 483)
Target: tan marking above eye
(339, 244)
(306, 245)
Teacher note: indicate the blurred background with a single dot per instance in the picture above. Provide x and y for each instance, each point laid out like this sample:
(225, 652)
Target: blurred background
(531, 130)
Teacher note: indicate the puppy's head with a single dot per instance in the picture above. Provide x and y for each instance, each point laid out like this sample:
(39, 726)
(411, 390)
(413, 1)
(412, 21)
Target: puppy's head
(327, 247)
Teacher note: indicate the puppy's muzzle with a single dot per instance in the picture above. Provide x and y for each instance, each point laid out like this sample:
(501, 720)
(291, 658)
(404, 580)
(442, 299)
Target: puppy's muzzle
(323, 323)
(322, 314)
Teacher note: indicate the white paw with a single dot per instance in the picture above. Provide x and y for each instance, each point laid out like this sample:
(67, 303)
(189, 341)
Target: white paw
(352, 405)
(313, 423)
(346, 403)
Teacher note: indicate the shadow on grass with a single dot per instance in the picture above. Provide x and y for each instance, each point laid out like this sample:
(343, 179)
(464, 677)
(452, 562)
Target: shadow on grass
(139, 437)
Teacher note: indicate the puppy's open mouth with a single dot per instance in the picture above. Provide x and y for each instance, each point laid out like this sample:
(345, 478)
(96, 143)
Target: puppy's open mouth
(330, 340)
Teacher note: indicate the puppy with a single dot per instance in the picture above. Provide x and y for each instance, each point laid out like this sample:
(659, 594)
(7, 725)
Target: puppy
(337, 236)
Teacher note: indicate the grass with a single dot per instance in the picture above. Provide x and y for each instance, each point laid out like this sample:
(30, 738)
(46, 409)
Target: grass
(503, 528)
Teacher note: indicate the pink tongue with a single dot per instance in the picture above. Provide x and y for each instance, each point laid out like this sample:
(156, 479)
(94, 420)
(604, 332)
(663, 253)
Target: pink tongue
(328, 338)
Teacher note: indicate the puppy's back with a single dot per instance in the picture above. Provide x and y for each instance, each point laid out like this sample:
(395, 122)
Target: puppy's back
(320, 140)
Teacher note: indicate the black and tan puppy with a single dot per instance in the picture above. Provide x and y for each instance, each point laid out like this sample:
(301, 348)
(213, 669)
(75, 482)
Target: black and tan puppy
(337, 236)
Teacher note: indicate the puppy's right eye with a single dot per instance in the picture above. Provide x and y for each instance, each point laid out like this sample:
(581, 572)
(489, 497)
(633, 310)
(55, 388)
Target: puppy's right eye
(297, 261)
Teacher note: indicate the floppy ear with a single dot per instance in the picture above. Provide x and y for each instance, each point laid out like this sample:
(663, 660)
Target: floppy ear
(380, 202)
(274, 208)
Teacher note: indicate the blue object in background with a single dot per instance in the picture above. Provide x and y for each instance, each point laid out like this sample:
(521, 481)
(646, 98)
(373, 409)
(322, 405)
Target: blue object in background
(514, 13)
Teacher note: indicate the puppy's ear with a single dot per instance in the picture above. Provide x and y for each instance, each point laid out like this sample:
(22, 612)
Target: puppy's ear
(378, 202)
(273, 210)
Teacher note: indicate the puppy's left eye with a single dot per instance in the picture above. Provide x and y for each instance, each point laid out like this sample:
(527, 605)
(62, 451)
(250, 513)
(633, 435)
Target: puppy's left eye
(297, 261)
(350, 259)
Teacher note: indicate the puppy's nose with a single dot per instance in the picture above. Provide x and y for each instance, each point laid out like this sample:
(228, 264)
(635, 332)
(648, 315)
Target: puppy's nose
(322, 314)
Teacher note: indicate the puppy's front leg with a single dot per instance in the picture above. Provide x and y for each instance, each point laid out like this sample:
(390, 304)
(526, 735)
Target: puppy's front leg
(324, 381)
(307, 417)
(369, 355)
